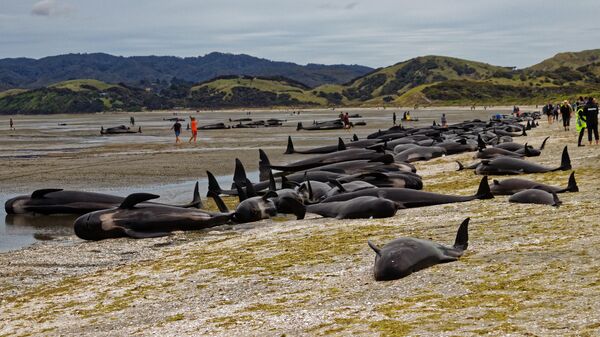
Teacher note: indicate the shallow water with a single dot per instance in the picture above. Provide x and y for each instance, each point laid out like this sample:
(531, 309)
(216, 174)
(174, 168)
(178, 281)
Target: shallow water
(41, 136)
(21, 230)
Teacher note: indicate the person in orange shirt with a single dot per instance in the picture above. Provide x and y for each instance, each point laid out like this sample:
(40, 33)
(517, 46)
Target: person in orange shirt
(194, 126)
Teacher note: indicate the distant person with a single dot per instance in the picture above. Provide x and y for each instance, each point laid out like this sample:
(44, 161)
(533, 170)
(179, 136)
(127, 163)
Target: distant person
(12, 125)
(555, 112)
(444, 121)
(548, 111)
(346, 120)
(187, 126)
(194, 126)
(580, 124)
(566, 111)
(132, 120)
(591, 118)
(394, 118)
(177, 128)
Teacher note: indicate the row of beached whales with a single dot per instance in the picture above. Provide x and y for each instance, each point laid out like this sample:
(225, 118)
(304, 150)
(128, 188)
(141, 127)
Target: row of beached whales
(241, 123)
(368, 178)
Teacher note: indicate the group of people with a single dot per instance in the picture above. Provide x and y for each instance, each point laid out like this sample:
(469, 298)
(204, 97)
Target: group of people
(586, 116)
(193, 126)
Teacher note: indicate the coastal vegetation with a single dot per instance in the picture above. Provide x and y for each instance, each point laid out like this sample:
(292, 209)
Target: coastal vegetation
(421, 81)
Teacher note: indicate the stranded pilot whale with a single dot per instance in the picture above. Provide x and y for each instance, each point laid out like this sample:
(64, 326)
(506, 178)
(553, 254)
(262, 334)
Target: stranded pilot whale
(58, 201)
(404, 256)
(514, 185)
(536, 196)
(138, 219)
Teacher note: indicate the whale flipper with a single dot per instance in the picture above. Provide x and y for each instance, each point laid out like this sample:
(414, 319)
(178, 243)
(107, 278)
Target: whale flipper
(136, 198)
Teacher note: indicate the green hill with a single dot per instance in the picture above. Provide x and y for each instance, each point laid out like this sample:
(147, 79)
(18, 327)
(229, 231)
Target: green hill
(248, 91)
(79, 96)
(427, 80)
(572, 60)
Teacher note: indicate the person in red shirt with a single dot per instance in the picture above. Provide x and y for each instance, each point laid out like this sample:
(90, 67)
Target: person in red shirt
(194, 127)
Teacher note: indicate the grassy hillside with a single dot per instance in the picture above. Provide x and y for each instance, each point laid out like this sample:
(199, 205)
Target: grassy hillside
(427, 80)
(572, 60)
(251, 92)
(83, 84)
(79, 96)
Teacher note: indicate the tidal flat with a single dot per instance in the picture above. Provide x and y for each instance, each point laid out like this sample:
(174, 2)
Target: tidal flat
(530, 270)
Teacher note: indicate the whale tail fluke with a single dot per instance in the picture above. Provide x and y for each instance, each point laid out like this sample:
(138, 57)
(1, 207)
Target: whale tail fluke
(264, 165)
(572, 185)
(484, 192)
(557, 201)
(543, 143)
(220, 204)
(460, 166)
(462, 236)
(376, 249)
(290, 146)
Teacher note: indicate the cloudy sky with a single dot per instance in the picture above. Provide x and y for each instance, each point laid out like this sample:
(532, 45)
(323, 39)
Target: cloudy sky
(374, 33)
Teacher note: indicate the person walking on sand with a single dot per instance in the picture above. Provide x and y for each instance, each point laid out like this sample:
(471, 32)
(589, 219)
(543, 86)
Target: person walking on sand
(394, 118)
(580, 124)
(194, 126)
(591, 118)
(444, 121)
(177, 128)
(566, 111)
(12, 125)
(132, 121)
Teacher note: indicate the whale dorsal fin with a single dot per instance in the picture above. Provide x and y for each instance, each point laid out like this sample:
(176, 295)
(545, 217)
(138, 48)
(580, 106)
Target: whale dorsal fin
(375, 248)
(338, 185)
(38, 194)
(341, 145)
(270, 194)
(136, 198)
(496, 182)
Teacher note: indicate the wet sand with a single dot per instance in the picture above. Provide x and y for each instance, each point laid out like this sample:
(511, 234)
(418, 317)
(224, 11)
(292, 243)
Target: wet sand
(530, 270)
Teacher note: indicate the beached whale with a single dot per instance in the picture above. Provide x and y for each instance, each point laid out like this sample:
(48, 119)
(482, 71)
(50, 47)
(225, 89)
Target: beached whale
(139, 219)
(404, 256)
(117, 130)
(536, 196)
(358, 208)
(514, 185)
(409, 198)
(59, 201)
(508, 166)
(216, 126)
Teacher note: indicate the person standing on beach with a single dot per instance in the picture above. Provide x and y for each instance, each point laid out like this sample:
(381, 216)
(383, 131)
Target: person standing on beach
(591, 118)
(394, 118)
(566, 111)
(132, 121)
(548, 108)
(177, 128)
(194, 126)
(444, 121)
(12, 125)
(580, 124)
(346, 120)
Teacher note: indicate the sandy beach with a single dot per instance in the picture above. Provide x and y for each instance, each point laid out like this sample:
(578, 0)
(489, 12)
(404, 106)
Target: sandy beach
(530, 270)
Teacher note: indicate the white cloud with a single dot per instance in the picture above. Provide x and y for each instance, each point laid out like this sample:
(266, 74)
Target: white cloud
(50, 8)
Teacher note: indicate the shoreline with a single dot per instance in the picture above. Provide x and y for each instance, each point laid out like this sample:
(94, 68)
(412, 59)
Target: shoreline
(529, 270)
